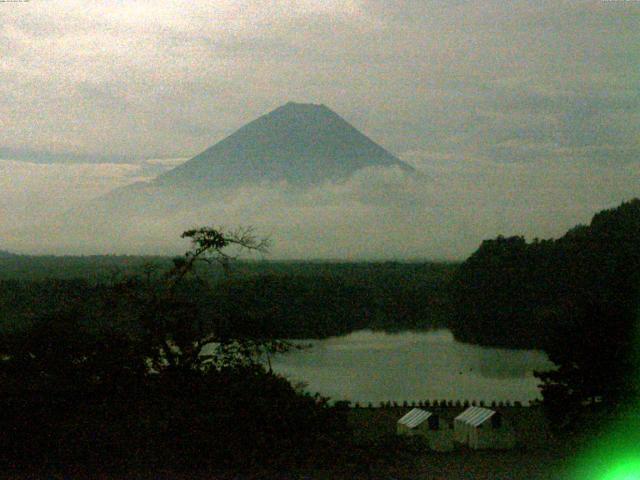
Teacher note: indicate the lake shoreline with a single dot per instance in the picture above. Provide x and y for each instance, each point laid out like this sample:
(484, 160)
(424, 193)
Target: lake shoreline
(372, 367)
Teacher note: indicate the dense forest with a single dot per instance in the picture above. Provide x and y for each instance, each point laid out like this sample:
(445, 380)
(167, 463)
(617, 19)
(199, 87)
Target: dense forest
(577, 297)
(509, 293)
(283, 299)
(516, 294)
(103, 365)
(112, 376)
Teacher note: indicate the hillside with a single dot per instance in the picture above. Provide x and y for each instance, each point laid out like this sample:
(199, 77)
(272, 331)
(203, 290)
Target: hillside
(516, 294)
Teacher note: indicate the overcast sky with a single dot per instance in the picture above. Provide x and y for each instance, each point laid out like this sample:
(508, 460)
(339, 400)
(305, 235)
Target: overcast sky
(543, 88)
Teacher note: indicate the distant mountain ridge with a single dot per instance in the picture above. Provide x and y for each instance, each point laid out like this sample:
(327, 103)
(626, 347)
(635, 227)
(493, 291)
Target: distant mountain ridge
(301, 143)
(261, 172)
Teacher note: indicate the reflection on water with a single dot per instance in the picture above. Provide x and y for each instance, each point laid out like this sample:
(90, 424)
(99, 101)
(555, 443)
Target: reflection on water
(370, 366)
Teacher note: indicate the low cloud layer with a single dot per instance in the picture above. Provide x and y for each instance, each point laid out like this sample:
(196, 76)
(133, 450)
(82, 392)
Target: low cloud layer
(379, 213)
(32, 193)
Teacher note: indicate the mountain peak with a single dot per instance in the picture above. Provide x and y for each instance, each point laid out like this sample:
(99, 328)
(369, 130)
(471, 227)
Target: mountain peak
(297, 105)
(302, 143)
(313, 110)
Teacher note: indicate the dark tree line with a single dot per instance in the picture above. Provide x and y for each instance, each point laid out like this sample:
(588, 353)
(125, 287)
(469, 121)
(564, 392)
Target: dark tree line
(578, 298)
(292, 300)
(133, 376)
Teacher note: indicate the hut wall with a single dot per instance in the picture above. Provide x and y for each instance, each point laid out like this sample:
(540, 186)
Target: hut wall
(440, 440)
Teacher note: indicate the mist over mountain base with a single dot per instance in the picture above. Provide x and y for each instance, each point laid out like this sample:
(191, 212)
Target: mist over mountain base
(376, 213)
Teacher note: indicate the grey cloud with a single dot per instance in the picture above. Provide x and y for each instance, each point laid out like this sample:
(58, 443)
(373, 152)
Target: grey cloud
(536, 91)
(412, 75)
(378, 213)
(42, 156)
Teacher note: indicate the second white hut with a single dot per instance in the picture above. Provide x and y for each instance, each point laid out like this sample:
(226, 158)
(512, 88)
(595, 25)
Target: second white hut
(482, 428)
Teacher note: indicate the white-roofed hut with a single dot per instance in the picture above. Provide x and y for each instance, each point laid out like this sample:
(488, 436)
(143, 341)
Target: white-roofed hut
(434, 429)
(482, 428)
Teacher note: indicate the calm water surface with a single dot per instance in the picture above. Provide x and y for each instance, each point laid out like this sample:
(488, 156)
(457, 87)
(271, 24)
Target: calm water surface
(368, 366)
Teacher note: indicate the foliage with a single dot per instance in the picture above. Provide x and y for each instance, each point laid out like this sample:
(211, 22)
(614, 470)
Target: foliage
(276, 299)
(120, 380)
(576, 297)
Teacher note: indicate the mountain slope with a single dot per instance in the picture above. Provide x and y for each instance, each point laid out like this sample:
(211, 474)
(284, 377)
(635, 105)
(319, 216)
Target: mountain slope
(303, 144)
(299, 172)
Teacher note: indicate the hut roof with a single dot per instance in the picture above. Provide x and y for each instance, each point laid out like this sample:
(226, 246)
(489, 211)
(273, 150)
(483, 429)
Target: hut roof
(415, 417)
(475, 415)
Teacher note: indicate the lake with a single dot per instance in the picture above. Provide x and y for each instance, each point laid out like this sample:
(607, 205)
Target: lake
(368, 366)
